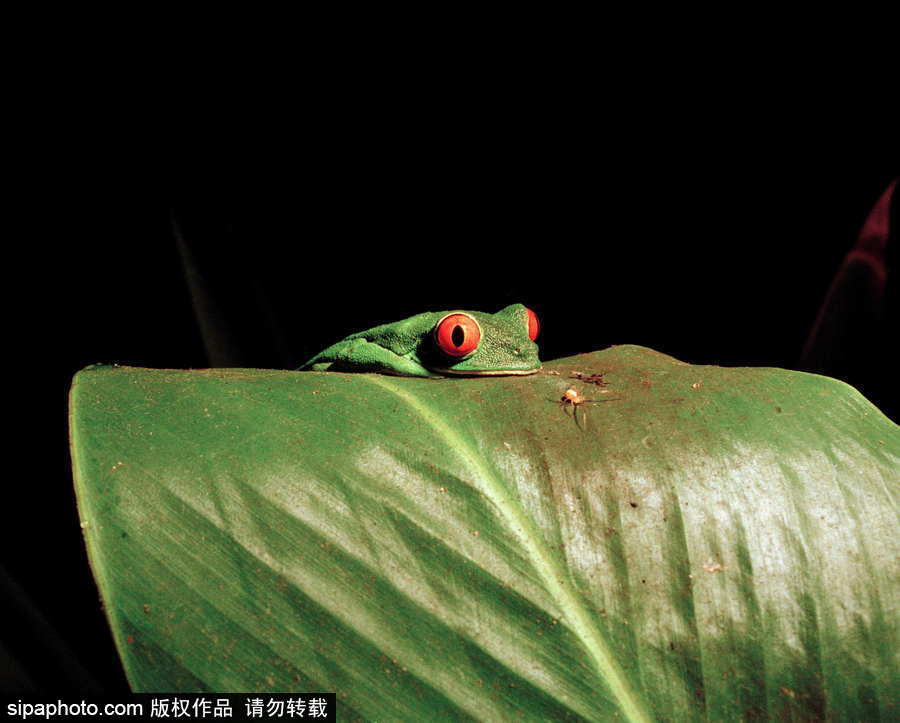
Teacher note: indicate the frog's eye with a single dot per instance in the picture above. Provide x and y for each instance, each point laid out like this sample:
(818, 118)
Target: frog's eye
(534, 326)
(457, 335)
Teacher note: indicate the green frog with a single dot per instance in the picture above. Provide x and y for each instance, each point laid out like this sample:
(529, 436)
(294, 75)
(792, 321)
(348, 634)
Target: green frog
(440, 343)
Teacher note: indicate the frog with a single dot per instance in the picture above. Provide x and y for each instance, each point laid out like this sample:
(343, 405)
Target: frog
(440, 344)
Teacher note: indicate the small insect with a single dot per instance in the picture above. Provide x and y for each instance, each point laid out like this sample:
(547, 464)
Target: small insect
(572, 398)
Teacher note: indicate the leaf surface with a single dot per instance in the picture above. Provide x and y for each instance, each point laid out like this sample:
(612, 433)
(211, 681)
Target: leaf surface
(693, 542)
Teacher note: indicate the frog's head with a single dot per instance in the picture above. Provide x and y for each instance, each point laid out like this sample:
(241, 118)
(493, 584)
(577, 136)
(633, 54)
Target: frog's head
(473, 343)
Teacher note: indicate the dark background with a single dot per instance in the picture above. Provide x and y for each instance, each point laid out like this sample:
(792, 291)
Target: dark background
(711, 232)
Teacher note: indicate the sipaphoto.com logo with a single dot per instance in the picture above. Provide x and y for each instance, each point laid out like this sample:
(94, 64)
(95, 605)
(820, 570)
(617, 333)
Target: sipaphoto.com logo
(59, 708)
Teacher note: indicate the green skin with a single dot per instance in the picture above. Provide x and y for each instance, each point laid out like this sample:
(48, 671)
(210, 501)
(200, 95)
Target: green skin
(408, 348)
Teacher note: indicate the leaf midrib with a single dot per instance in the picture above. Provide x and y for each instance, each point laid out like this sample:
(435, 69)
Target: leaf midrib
(522, 527)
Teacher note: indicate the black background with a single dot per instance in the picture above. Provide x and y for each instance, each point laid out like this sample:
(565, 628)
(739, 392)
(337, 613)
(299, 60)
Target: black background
(708, 228)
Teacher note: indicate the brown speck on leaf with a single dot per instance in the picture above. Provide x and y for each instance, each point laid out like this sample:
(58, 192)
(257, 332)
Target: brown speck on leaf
(695, 385)
(633, 504)
(147, 609)
(788, 692)
(596, 378)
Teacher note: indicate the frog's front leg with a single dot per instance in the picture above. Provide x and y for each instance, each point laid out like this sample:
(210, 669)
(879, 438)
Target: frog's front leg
(359, 355)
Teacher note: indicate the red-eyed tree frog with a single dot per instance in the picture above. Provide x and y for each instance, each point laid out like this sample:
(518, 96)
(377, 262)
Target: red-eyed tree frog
(440, 343)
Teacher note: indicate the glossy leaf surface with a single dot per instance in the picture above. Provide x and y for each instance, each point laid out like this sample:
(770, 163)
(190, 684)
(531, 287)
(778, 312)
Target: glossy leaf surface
(690, 543)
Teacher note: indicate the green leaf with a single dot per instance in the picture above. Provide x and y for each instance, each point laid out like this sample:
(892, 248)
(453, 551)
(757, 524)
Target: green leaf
(708, 542)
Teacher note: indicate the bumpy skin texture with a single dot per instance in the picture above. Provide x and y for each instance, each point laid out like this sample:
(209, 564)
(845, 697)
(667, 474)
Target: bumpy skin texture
(408, 348)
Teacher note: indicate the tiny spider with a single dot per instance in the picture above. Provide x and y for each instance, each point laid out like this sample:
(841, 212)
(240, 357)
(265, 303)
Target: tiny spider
(572, 397)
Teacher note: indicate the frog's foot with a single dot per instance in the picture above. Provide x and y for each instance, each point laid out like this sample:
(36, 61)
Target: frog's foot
(317, 367)
(360, 355)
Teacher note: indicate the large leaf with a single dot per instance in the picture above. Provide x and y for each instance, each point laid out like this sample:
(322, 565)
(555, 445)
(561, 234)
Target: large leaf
(709, 542)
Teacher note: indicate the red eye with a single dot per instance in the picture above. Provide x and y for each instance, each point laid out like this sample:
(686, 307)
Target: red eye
(534, 326)
(457, 335)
